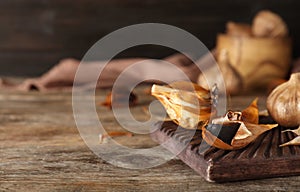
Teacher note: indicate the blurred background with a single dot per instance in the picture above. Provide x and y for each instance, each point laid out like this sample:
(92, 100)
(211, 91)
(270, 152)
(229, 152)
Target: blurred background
(36, 34)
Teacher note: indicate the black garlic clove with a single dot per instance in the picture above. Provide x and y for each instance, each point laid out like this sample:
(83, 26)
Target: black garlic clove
(224, 132)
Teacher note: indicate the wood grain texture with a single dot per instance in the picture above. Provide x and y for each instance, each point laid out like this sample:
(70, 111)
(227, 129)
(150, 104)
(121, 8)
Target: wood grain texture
(41, 150)
(261, 159)
(36, 34)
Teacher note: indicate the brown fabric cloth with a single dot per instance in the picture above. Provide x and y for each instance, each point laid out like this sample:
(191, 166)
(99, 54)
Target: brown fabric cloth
(61, 76)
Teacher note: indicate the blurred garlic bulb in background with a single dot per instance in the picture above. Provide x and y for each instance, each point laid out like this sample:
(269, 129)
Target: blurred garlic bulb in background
(238, 29)
(269, 24)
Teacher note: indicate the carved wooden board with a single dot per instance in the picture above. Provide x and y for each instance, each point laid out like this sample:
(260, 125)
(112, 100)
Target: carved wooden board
(261, 159)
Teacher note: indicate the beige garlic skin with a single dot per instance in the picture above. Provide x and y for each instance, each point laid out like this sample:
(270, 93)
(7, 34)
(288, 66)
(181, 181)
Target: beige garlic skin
(283, 103)
(269, 24)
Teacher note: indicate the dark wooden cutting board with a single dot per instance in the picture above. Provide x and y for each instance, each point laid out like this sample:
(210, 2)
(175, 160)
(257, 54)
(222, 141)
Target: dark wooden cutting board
(260, 159)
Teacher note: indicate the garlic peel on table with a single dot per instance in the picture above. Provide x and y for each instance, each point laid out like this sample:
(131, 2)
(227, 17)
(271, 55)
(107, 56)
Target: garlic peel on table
(191, 107)
(187, 104)
(296, 140)
(242, 126)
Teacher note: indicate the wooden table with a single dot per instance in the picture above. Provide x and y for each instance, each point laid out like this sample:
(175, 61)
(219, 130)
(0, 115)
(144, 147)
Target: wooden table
(41, 150)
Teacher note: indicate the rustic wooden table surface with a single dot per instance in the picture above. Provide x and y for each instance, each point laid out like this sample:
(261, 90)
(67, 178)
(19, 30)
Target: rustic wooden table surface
(41, 150)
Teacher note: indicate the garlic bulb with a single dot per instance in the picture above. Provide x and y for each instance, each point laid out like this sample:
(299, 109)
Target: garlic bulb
(186, 103)
(238, 29)
(283, 103)
(269, 24)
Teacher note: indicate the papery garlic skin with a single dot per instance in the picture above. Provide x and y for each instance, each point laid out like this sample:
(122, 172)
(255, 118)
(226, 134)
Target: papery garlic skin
(283, 103)
(186, 103)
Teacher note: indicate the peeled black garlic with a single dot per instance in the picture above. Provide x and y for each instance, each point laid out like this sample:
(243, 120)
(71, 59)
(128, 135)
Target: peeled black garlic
(236, 129)
(225, 131)
(283, 103)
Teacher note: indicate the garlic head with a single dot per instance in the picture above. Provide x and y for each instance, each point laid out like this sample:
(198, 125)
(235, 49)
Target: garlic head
(283, 103)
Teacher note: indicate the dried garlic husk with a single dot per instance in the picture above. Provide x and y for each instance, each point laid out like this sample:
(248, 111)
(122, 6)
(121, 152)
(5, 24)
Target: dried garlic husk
(187, 104)
(296, 140)
(283, 103)
(236, 130)
(119, 98)
(240, 139)
(296, 131)
(249, 115)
